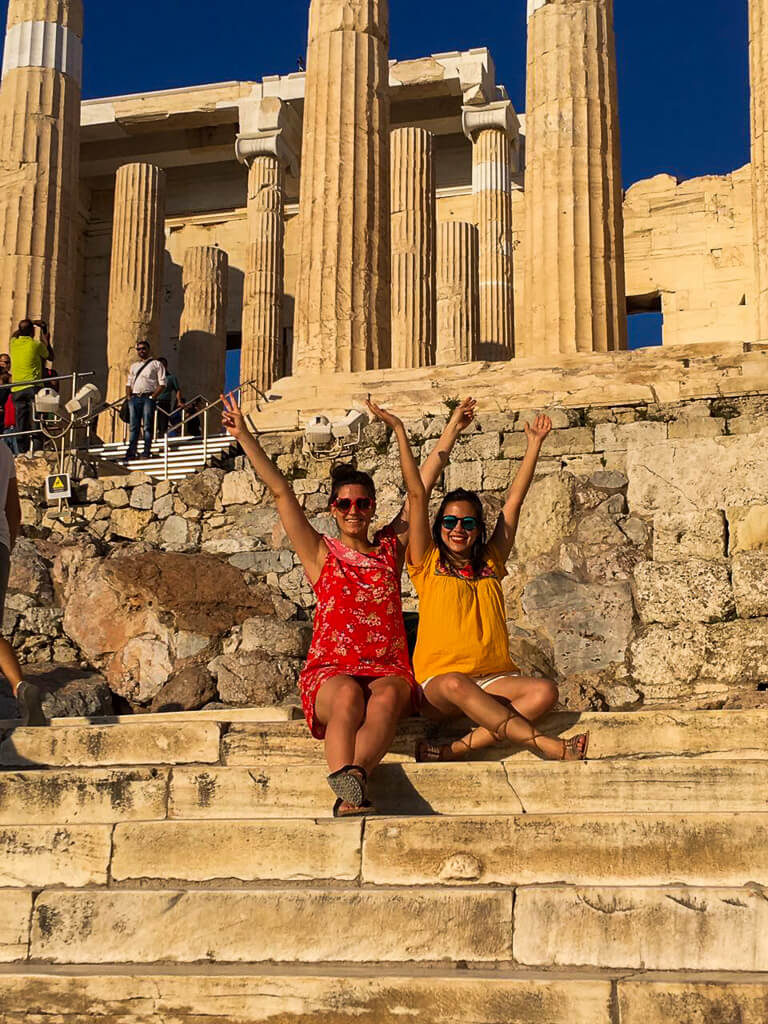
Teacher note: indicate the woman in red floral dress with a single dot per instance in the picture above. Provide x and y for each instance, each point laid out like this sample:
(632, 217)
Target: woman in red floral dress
(358, 681)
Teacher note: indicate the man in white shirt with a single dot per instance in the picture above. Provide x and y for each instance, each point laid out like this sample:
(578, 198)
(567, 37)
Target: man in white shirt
(146, 380)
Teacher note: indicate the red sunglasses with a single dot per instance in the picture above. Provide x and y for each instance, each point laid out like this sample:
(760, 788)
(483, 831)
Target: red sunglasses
(361, 504)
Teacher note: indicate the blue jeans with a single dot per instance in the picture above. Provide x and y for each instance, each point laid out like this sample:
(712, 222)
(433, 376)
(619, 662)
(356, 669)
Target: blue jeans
(142, 413)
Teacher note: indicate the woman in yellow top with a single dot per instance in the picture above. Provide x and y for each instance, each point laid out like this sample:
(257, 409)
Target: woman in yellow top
(462, 656)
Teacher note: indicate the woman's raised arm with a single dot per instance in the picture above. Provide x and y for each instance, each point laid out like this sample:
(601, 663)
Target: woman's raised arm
(416, 494)
(307, 542)
(504, 535)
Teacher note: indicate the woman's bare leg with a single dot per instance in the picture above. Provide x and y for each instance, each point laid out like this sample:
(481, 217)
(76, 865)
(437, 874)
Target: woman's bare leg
(389, 701)
(529, 697)
(455, 691)
(340, 707)
(9, 665)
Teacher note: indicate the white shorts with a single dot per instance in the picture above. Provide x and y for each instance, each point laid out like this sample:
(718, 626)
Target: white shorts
(482, 681)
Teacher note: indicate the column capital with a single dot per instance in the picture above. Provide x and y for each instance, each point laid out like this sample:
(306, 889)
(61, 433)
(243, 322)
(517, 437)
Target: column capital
(269, 127)
(534, 5)
(499, 116)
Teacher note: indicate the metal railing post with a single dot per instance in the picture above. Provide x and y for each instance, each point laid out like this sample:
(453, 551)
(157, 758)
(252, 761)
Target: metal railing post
(165, 457)
(205, 437)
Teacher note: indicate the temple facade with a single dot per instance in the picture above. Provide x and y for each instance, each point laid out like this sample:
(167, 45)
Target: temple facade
(427, 222)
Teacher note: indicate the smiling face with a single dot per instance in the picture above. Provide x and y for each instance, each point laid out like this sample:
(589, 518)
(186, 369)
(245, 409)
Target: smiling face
(457, 538)
(353, 521)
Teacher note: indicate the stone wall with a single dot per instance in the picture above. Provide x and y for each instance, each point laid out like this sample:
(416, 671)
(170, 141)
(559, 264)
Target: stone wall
(640, 576)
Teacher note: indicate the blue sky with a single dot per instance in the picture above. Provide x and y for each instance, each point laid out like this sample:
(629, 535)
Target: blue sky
(683, 75)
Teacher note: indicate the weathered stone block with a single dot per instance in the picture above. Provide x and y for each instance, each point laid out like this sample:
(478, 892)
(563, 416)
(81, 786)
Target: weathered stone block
(499, 474)
(588, 625)
(142, 496)
(266, 633)
(477, 446)
(624, 436)
(154, 743)
(247, 998)
(37, 856)
(693, 476)
(573, 441)
(652, 1001)
(659, 654)
(696, 427)
(15, 913)
(750, 583)
(748, 528)
(692, 591)
(678, 537)
(117, 497)
(312, 926)
(129, 522)
(253, 678)
(534, 849)
(468, 475)
(250, 851)
(642, 929)
(548, 515)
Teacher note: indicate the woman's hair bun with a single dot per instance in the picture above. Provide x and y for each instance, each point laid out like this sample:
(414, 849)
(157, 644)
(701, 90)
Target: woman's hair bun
(343, 472)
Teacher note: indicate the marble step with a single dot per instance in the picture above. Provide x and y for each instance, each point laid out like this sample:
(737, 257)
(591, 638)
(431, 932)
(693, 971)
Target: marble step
(712, 734)
(189, 995)
(577, 849)
(223, 738)
(146, 743)
(281, 713)
(104, 796)
(664, 928)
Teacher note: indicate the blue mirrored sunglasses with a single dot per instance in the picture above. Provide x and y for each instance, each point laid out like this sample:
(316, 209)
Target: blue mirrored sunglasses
(468, 522)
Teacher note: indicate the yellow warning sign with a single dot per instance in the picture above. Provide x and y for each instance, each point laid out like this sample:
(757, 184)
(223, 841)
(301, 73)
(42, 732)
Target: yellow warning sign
(58, 486)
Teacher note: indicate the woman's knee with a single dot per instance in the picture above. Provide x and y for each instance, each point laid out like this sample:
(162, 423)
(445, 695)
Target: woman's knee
(347, 700)
(391, 696)
(545, 694)
(455, 686)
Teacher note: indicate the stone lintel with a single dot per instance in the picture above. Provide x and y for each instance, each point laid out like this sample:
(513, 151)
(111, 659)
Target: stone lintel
(498, 116)
(269, 127)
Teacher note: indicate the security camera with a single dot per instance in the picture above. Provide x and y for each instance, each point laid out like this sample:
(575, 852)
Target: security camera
(318, 432)
(47, 402)
(351, 426)
(86, 399)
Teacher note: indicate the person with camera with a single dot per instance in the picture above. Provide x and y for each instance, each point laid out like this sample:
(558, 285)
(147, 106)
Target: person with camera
(28, 358)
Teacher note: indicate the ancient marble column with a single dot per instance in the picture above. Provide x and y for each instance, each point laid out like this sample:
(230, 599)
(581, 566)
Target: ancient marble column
(458, 313)
(268, 145)
(414, 223)
(494, 131)
(203, 330)
(39, 169)
(574, 286)
(343, 296)
(758, 66)
(136, 268)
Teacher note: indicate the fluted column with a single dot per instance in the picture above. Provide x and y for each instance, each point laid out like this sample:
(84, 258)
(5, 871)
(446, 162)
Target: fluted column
(268, 145)
(574, 288)
(494, 132)
(458, 310)
(413, 213)
(39, 168)
(343, 295)
(136, 268)
(758, 66)
(203, 329)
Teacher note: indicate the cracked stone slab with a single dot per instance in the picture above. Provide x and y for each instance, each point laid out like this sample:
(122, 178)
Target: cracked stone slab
(83, 796)
(674, 929)
(301, 791)
(47, 855)
(149, 744)
(249, 851)
(680, 785)
(307, 925)
(598, 849)
(382, 997)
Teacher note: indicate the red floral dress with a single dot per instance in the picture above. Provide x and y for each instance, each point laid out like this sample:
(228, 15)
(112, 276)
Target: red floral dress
(358, 629)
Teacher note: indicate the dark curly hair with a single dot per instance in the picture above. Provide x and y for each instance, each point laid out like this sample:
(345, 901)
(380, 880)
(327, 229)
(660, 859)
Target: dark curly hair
(344, 474)
(477, 553)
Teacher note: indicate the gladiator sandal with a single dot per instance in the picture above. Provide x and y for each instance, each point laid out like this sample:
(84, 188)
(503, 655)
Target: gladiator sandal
(577, 745)
(427, 752)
